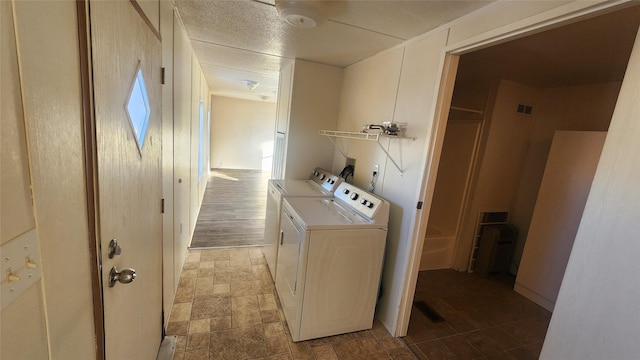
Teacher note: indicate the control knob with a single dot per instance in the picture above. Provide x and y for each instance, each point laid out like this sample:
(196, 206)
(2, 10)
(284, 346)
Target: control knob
(354, 196)
(364, 202)
(322, 176)
(345, 191)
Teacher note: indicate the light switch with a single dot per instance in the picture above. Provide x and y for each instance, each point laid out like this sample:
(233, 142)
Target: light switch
(20, 260)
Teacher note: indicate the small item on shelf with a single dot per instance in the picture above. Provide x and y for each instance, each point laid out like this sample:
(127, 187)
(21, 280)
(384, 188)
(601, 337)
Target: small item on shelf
(387, 128)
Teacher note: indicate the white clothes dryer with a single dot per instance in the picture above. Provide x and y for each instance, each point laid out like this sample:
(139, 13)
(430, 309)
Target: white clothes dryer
(330, 261)
(321, 183)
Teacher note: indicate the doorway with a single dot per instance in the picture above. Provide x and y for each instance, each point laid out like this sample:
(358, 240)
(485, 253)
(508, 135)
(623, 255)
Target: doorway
(234, 204)
(567, 78)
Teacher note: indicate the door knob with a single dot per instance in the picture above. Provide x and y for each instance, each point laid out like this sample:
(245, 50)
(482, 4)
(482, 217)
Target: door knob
(123, 277)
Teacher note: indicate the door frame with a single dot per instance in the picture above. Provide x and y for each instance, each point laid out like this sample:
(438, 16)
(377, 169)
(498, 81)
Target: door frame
(89, 140)
(449, 65)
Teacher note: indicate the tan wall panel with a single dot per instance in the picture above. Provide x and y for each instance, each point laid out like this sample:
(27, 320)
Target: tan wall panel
(563, 193)
(455, 162)
(48, 30)
(17, 211)
(315, 94)
(23, 327)
(170, 252)
(252, 122)
(501, 166)
(181, 141)
(369, 96)
(597, 307)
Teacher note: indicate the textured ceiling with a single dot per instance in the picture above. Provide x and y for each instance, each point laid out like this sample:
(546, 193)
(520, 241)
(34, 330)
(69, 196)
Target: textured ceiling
(238, 40)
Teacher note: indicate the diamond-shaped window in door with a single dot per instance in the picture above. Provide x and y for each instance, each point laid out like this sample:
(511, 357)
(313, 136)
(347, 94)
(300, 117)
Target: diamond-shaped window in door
(138, 109)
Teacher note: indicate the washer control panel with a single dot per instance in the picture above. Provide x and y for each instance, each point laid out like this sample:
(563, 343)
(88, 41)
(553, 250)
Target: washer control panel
(325, 179)
(362, 201)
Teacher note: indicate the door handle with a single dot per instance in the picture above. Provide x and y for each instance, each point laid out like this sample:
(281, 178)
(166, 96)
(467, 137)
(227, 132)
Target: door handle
(123, 277)
(281, 237)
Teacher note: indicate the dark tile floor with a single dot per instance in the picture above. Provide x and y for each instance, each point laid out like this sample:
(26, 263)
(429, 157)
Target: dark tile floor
(483, 319)
(226, 308)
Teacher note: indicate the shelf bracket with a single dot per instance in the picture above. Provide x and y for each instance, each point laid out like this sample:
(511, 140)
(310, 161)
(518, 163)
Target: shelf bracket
(391, 158)
(337, 147)
(363, 136)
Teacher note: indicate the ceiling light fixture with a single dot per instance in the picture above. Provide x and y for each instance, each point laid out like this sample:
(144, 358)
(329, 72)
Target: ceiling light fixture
(251, 84)
(303, 13)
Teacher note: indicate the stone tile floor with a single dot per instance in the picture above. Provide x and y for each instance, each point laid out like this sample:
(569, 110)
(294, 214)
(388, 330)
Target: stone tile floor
(226, 308)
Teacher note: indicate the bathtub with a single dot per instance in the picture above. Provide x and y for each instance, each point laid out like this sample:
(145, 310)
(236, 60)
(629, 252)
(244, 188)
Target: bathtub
(437, 251)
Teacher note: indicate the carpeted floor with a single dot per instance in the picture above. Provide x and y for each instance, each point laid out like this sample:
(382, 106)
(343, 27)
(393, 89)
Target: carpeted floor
(233, 209)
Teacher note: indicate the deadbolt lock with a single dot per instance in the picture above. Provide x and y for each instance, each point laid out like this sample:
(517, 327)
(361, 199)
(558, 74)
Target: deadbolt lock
(114, 248)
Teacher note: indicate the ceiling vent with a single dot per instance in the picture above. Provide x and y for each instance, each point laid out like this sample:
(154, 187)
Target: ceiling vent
(303, 13)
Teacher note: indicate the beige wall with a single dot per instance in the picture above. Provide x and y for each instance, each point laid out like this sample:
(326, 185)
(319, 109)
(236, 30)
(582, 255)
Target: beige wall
(596, 314)
(502, 161)
(315, 94)
(515, 149)
(568, 174)
(54, 318)
(583, 108)
(170, 253)
(371, 90)
(182, 143)
(22, 323)
(451, 183)
(242, 133)
(360, 104)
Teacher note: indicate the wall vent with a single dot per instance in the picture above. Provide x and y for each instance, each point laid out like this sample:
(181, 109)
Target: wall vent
(524, 109)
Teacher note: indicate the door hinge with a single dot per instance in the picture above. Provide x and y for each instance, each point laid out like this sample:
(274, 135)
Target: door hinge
(162, 76)
(419, 206)
(162, 206)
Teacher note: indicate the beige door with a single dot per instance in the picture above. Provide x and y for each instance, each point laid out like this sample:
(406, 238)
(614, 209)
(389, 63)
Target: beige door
(129, 177)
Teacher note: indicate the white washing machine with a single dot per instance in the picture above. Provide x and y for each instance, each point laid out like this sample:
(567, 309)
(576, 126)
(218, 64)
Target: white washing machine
(321, 183)
(330, 261)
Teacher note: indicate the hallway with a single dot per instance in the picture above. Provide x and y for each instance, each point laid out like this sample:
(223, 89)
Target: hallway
(226, 308)
(233, 209)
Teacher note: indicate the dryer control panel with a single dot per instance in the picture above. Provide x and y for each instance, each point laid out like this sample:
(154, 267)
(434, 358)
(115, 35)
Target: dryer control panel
(362, 201)
(325, 179)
